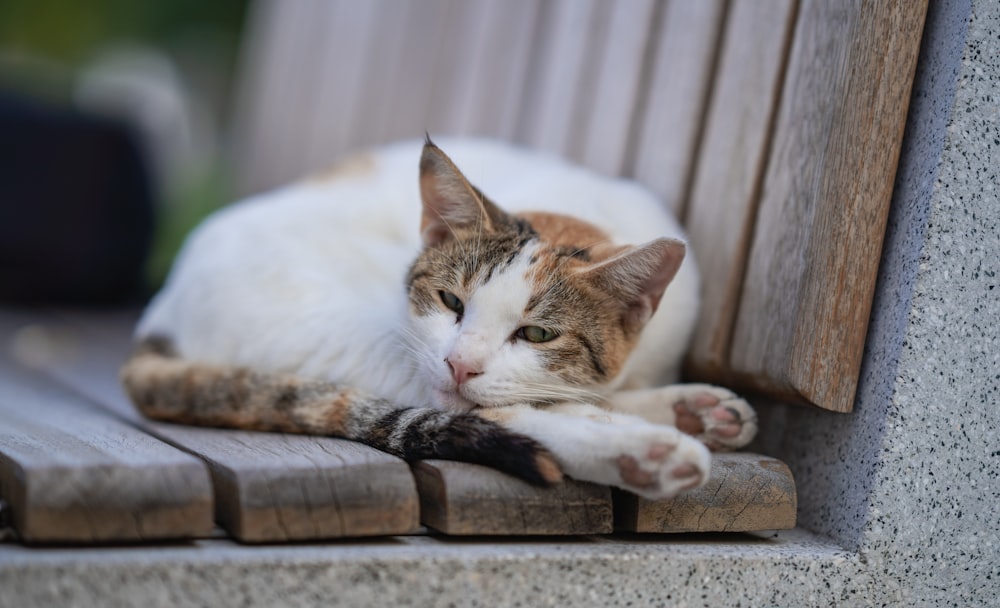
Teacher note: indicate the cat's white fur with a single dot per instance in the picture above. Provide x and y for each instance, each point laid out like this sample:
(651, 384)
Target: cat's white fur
(315, 271)
(310, 280)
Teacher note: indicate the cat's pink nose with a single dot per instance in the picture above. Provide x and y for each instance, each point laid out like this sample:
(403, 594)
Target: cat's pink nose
(461, 372)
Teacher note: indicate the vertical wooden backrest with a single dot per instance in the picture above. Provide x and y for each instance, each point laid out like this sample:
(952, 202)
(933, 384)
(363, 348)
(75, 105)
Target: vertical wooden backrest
(772, 126)
(591, 80)
(787, 304)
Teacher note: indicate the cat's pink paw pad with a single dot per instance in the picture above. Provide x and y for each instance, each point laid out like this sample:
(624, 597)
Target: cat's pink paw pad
(689, 476)
(668, 464)
(633, 475)
(716, 416)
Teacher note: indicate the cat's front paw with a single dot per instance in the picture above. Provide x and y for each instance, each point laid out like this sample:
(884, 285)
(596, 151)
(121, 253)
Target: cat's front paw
(659, 463)
(715, 416)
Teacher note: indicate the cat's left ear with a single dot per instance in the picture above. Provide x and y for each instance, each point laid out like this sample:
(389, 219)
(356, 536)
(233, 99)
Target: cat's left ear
(639, 276)
(450, 202)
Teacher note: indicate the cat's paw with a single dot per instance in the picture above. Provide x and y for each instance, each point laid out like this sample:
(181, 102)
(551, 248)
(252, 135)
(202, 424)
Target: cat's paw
(715, 416)
(658, 462)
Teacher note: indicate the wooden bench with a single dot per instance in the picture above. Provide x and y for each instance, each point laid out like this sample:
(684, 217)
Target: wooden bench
(78, 464)
(772, 128)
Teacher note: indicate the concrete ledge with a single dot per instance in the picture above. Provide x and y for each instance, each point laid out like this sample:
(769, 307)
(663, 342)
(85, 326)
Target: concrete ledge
(790, 568)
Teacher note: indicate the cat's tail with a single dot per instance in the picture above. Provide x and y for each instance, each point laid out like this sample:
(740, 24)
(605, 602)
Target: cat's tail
(167, 387)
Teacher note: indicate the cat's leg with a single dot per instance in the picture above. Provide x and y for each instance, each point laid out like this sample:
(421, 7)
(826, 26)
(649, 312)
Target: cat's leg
(592, 444)
(714, 415)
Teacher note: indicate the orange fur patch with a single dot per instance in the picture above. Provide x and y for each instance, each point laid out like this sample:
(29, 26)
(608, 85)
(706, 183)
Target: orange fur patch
(500, 415)
(557, 230)
(335, 416)
(560, 236)
(548, 467)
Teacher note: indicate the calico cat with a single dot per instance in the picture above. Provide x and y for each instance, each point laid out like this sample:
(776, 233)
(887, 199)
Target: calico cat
(412, 313)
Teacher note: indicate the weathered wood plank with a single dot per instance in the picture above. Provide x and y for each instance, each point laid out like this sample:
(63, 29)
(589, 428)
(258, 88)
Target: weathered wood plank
(724, 193)
(278, 79)
(806, 297)
(670, 117)
(273, 487)
(570, 33)
(616, 87)
(465, 499)
(478, 83)
(72, 472)
(347, 69)
(746, 492)
(269, 487)
(397, 102)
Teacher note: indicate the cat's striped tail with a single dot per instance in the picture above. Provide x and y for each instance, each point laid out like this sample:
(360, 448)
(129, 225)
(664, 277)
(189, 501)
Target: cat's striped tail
(167, 387)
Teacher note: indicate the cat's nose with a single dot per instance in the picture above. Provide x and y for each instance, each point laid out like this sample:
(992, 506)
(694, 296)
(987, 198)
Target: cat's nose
(461, 371)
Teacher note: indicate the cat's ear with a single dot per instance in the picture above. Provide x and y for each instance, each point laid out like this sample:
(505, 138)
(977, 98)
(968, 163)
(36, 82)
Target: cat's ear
(450, 202)
(639, 276)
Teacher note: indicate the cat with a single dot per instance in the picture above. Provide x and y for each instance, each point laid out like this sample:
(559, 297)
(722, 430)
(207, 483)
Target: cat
(403, 308)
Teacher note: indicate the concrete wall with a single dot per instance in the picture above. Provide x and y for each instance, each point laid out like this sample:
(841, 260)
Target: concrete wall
(910, 479)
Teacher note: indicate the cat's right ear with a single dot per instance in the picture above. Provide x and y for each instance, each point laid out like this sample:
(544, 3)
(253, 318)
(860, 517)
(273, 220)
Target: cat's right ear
(450, 202)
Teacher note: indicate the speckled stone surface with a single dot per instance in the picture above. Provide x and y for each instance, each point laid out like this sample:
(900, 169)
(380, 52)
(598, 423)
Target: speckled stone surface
(793, 569)
(910, 480)
(902, 497)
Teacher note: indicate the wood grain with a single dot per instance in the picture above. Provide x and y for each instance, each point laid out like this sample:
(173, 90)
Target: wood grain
(733, 156)
(806, 297)
(615, 87)
(273, 487)
(561, 62)
(73, 473)
(479, 79)
(669, 118)
(269, 487)
(465, 499)
(746, 492)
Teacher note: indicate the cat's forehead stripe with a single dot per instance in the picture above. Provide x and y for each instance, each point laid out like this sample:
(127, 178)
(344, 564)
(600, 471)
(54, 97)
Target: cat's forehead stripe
(507, 284)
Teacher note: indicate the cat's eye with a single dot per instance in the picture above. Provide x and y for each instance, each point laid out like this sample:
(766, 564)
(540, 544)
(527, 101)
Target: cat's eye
(533, 333)
(452, 302)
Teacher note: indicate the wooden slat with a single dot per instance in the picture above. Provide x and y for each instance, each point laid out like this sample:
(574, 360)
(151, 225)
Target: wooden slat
(569, 32)
(464, 499)
(806, 297)
(342, 75)
(723, 202)
(269, 487)
(481, 70)
(746, 492)
(256, 64)
(616, 85)
(72, 472)
(274, 125)
(397, 100)
(273, 487)
(346, 73)
(667, 127)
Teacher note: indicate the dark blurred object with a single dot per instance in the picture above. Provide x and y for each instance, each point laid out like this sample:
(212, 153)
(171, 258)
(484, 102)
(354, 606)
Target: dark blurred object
(76, 209)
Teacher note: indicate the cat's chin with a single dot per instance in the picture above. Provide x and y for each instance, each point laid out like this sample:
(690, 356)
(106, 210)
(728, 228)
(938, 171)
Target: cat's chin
(451, 400)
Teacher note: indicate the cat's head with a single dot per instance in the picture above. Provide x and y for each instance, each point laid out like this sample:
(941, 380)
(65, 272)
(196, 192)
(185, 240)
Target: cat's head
(528, 308)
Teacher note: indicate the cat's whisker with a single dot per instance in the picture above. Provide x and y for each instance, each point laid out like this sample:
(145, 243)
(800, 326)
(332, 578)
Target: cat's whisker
(451, 229)
(534, 392)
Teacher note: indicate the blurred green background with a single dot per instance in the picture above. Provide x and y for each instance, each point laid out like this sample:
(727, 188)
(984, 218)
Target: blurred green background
(166, 67)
